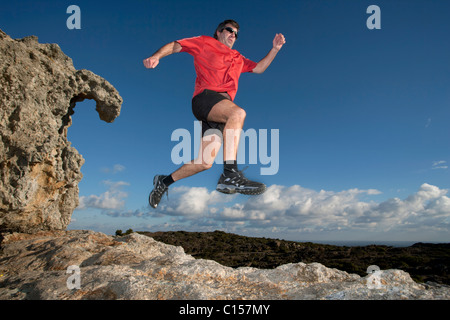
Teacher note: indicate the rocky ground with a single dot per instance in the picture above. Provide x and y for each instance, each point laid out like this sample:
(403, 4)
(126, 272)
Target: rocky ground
(424, 262)
(87, 265)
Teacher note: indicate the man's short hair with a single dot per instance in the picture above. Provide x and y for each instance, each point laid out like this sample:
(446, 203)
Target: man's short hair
(222, 25)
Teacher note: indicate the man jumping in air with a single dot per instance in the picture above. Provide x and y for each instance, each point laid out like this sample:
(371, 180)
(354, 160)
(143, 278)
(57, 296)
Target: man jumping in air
(218, 69)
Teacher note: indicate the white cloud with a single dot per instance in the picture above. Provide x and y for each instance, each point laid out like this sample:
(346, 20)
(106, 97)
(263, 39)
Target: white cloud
(439, 165)
(287, 210)
(115, 169)
(298, 209)
(112, 199)
(192, 202)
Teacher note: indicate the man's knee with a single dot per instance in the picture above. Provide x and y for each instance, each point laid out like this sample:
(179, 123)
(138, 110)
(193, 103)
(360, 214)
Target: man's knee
(206, 165)
(239, 114)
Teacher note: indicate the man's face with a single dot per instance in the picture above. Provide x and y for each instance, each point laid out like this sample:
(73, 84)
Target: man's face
(226, 37)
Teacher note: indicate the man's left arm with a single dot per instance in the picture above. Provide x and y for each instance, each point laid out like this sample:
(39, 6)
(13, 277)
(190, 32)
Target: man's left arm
(262, 65)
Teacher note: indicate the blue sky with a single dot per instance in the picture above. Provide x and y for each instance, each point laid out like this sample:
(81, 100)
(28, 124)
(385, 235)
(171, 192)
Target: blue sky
(364, 140)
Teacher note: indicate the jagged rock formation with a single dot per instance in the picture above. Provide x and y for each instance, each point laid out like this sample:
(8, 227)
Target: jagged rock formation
(138, 267)
(40, 171)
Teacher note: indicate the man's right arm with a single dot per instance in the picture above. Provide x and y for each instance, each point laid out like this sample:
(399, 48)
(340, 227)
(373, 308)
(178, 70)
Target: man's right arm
(168, 49)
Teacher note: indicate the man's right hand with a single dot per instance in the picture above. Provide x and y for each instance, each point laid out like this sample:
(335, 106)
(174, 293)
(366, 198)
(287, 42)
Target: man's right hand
(151, 63)
(164, 51)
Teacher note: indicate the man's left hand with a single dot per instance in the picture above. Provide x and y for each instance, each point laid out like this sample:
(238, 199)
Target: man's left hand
(278, 41)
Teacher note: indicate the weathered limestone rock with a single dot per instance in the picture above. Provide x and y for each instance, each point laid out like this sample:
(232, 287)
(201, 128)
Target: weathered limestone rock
(40, 171)
(138, 267)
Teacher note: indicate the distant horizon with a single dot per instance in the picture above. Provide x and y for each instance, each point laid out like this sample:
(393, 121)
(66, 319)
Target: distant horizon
(349, 243)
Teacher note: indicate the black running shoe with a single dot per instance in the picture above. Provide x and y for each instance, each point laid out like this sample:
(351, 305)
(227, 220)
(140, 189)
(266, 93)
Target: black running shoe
(235, 182)
(159, 188)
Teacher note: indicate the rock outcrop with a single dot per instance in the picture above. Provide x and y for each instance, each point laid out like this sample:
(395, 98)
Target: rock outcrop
(40, 171)
(138, 267)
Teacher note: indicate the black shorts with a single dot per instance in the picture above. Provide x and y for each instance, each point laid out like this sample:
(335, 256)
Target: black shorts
(202, 105)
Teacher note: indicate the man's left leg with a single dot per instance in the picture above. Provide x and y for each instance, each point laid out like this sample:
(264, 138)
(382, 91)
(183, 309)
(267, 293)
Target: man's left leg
(232, 180)
(209, 147)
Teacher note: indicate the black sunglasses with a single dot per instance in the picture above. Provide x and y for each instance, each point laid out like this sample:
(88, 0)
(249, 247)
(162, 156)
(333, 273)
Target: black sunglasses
(230, 30)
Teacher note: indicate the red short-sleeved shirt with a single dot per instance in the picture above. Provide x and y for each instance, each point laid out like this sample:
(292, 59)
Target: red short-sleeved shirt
(217, 66)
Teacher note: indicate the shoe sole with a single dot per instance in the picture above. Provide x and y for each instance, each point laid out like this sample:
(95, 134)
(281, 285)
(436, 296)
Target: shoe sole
(227, 190)
(155, 179)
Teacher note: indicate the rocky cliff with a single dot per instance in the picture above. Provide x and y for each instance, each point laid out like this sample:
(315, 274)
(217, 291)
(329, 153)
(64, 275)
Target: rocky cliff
(40, 171)
(138, 267)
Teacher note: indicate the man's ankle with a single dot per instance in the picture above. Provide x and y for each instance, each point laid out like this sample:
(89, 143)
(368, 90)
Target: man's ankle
(168, 180)
(230, 166)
